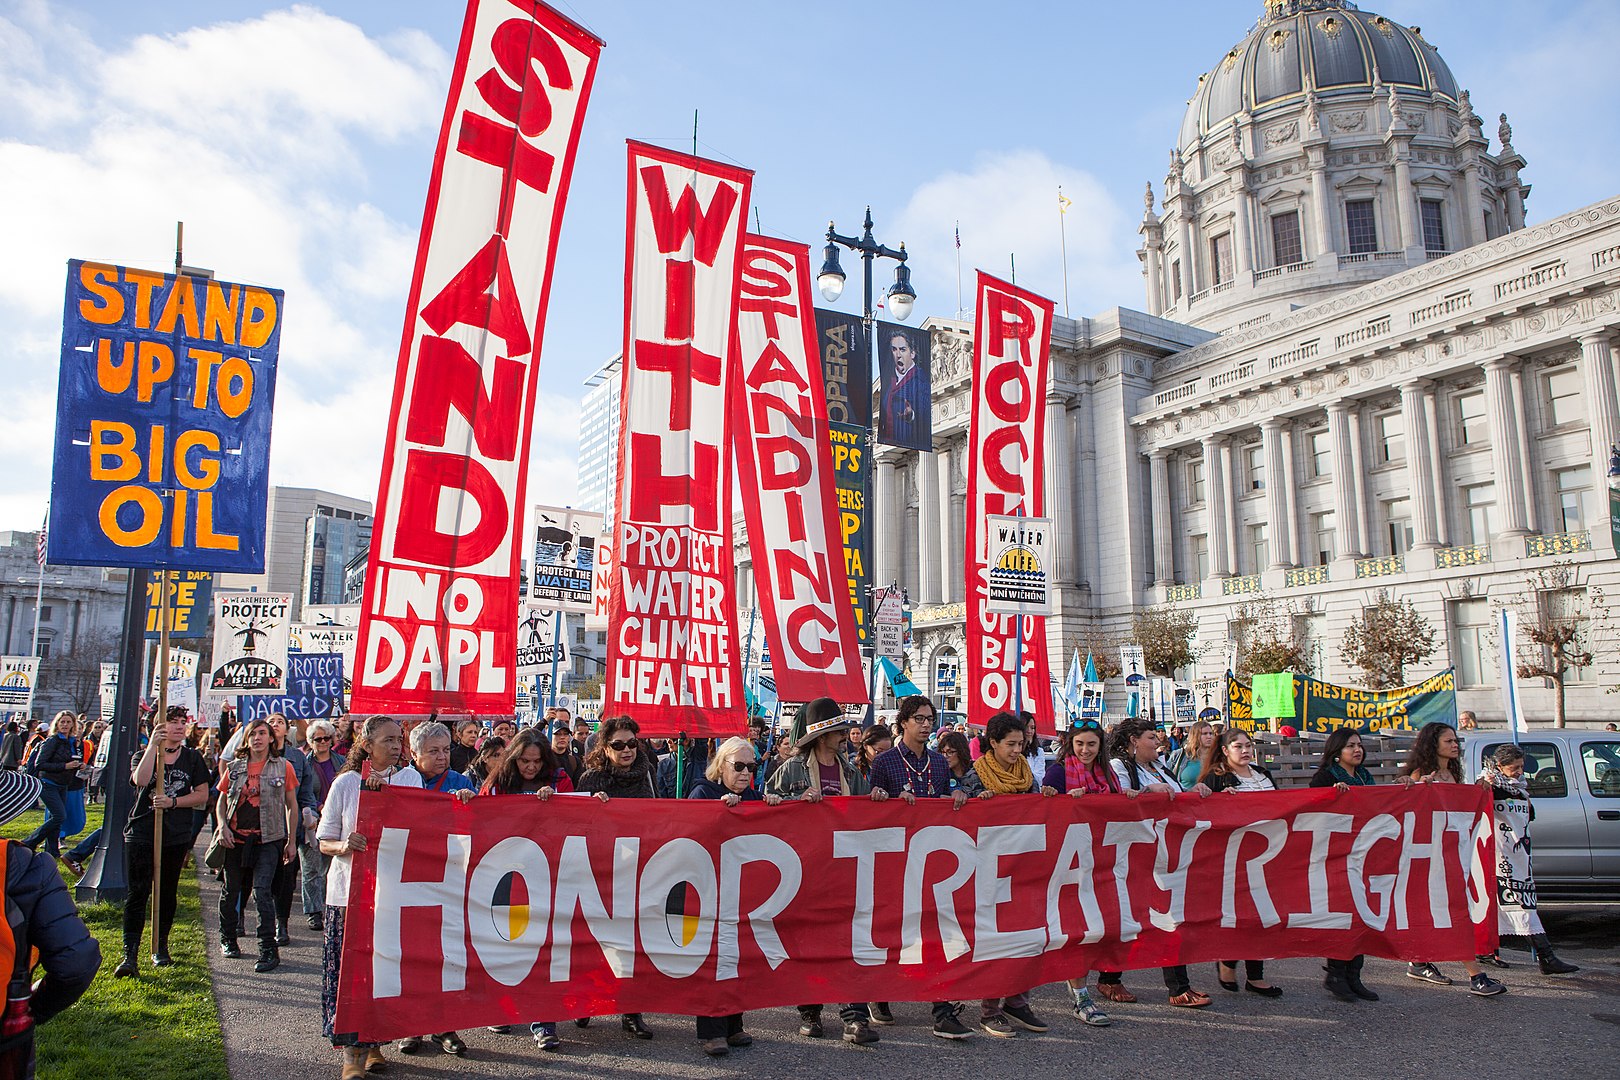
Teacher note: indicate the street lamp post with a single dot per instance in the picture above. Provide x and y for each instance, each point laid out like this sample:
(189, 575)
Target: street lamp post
(901, 298)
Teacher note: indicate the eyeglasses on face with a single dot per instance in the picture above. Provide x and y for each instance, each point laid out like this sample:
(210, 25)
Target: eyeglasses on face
(621, 745)
(321, 738)
(927, 718)
(745, 766)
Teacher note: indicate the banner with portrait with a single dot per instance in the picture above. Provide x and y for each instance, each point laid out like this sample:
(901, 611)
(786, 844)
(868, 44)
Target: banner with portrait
(905, 387)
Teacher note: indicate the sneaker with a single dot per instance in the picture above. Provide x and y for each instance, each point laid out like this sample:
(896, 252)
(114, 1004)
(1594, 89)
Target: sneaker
(1426, 973)
(952, 1028)
(859, 1033)
(499, 1029)
(229, 948)
(1023, 1016)
(881, 1015)
(995, 1025)
(811, 1029)
(547, 1041)
(410, 1044)
(315, 921)
(74, 865)
(1483, 985)
(1085, 1009)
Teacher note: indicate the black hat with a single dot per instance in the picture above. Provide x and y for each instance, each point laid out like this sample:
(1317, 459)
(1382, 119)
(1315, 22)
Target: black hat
(815, 719)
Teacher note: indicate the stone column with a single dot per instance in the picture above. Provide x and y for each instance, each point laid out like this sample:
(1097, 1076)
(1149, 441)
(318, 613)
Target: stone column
(1164, 551)
(884, 517)
(949, 542)
(1344, 481)
(1155, 278)
(1419, 473)
(1184, 231)
(1229, 497)
(1437, 476)
(1241, 251)
(1276, 494)
(958, 564)
(1321, 204)
(1506, 457)
(1215, 500)
(1059, 463)
(1473, 231)
(1087, 532)
(1290, 493)
(1526, 450)
(928, 534)
(1405, 198)
(1597, 365)
(1358, 469)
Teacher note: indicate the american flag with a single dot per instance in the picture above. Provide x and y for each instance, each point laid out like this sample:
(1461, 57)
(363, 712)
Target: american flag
(39, 552)
(959, 238)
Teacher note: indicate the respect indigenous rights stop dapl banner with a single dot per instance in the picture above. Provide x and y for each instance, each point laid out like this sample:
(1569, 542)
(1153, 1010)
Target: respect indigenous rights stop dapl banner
(1012, 337)
(163, 421)
(1323, 706)
(672, 648)
(779, 421)
(438, 626)
(510, 908)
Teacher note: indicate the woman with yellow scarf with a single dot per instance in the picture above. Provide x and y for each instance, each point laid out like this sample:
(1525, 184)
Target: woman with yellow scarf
(1004, 770)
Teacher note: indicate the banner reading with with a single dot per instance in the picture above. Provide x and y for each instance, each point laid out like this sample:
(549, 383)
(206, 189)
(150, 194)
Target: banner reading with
(17, 677)
(163, 410)
(779, 422)
(564, 550)
(439, 623)
(905, 410)
(191, 594)
(1012, 338)
(314, 690)
(1323, 706)
(672, 650)
(509, 908)
(250, 642)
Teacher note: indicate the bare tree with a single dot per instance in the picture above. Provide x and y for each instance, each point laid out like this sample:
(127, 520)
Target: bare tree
(1560, 621)
(1103, 650)
(1166, 635)
(1384, 639)
(76, 673)
(1273, 642)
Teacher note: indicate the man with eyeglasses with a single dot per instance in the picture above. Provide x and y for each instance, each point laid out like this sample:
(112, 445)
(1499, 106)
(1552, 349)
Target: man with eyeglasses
(909, 771)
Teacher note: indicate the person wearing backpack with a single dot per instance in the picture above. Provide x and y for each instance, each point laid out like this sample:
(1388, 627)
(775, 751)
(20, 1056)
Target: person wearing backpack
(41, 929)
(58, 761)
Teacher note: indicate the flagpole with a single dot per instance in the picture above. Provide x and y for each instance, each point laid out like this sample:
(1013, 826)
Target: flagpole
(1063, 239)
(959, 309)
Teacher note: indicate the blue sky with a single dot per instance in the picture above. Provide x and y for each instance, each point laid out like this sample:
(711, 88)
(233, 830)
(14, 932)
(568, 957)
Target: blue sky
(296, 140)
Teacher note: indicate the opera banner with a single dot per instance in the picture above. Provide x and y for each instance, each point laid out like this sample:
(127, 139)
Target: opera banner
(779, 422)
(672, 645)
(509, 908)
(905, 417)
(850, 466)
(564, 551)
(251, 631)
(1006, 450)
(163, 410)
(1323, 706)
(1020, 565)
(190, 603)
(314, 691)
(439, 621)
(846, 367)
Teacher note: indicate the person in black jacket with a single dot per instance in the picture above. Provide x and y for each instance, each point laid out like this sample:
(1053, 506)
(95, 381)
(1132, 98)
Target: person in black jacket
(11, 747)
(1342, 769)
(59, 762)
(1231, 768)
(692, 757)
(42, 917)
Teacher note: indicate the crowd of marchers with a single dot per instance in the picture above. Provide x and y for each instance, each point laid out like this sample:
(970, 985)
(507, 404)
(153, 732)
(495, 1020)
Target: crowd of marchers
(279, 804)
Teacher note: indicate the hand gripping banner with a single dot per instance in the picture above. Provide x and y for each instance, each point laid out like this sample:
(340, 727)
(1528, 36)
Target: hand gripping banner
(439, 623)
(1012, 338)
(672, 614)
(779, 421)
(510, 908)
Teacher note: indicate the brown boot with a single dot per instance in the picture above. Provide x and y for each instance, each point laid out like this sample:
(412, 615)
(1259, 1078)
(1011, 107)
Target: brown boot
(354, 1063)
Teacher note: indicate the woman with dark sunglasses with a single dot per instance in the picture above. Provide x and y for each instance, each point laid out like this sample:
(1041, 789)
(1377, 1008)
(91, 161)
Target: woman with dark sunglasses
(729, 778)
(619, 767)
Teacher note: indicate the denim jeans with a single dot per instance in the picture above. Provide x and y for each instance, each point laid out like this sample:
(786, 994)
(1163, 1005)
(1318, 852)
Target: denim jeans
(315, 865)
(86, 847)
(250, 866)
(49, 832)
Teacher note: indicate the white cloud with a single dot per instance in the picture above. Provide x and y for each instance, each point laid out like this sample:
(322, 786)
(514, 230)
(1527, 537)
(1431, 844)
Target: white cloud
(1007, 205)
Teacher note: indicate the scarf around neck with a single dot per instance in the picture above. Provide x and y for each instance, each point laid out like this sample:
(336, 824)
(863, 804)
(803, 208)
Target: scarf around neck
(1014, 781)
(1514, 786)
(1095, 779)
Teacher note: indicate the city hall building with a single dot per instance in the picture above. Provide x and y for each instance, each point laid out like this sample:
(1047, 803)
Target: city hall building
(1358, 371)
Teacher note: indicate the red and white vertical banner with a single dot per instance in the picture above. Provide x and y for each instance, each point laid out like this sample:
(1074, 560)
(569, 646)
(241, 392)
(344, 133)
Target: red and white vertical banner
(1012, 338)
(438, 626)
(779, 422)
(672, 613)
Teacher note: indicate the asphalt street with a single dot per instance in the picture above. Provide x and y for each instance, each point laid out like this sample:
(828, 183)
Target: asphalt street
(272, 1027)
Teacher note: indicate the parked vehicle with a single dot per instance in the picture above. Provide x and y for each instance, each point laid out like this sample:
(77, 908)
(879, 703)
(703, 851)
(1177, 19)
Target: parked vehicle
(1574, 782)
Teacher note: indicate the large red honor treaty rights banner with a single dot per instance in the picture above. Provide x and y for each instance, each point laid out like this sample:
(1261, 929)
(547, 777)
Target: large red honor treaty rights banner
(439, 623)
(672, 611)
(779, 420)
(510, 908)
(1012, 337)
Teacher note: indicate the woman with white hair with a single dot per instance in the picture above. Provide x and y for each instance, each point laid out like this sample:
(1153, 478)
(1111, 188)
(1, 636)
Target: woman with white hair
(729, 778)
(323, 766)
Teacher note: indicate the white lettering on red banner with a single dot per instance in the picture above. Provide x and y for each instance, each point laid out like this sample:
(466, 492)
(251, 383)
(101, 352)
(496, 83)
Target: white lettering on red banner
(672, 639)
(1012, 336)
(438, 627)
(512, 908)
(785, 464)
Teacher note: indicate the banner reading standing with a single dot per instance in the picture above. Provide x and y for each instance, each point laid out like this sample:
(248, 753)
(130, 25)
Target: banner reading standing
(1006, 458)
(672, 651)
(779, 421)
(439, 623)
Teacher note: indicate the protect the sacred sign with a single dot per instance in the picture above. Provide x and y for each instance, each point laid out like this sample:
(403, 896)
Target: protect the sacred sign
(163, 420)
(1020, 565)
(250, 642)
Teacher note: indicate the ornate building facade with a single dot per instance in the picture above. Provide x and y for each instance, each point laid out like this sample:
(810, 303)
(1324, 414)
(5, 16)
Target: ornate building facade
(1359, 372)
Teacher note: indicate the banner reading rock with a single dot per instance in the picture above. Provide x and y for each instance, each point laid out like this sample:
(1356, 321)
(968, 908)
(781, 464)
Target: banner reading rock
(510, 908)
(250, 642)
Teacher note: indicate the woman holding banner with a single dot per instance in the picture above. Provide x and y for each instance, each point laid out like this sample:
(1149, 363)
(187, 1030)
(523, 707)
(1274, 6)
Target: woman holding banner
(1079, 770)
(1342, 769)
(1005, 770)
(372, 764)
(729, 778)
(257, 812)
(1231, 768)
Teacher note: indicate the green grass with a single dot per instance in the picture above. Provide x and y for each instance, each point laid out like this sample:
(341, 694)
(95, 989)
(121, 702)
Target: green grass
(161, 1025)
